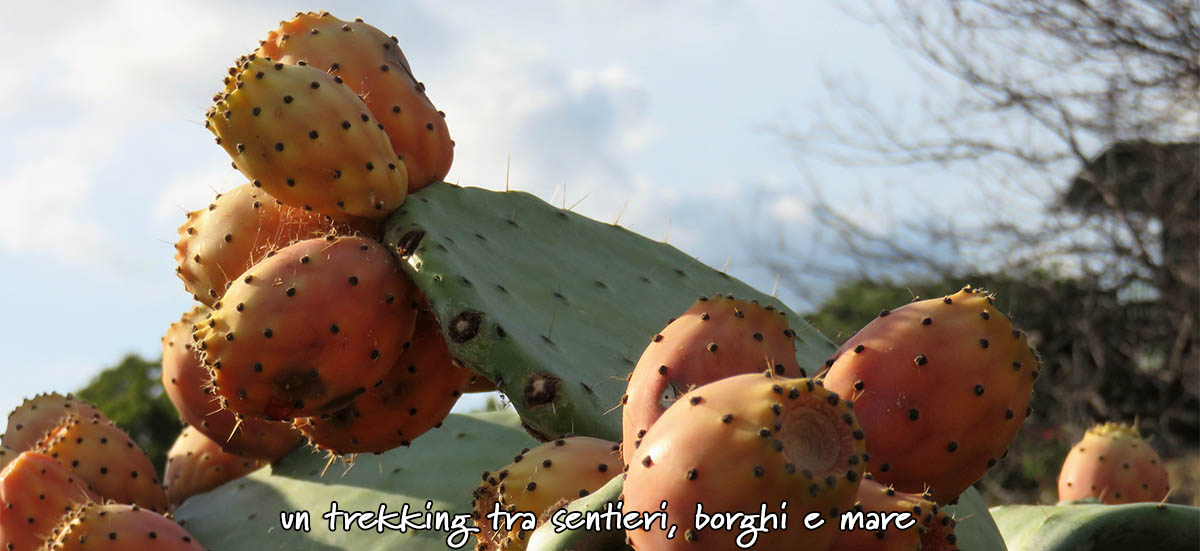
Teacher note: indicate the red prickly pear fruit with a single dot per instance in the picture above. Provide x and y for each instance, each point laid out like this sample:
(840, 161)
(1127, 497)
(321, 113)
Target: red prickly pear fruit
(113, 527)
(107, 459)
(479, 383)
(235, 231)
(308, 140)
(372, 65)
(539, 480)
(933, 531)
(416, 395)
(189, 388)
(714, 339)
(35, 492)
(942, 386)
(29, 423)
(1113, 464)
(308, 329)
(197, 464)
(741, 443)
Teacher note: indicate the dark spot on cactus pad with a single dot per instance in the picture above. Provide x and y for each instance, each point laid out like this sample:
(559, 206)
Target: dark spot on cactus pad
(984, 315)
(952, 447)
(920, 359)
(948, 300)
(983, 343)
(465, 326)
(409, 242)
(914, 414)
(541, 389)
(926, 321)
(979, 390)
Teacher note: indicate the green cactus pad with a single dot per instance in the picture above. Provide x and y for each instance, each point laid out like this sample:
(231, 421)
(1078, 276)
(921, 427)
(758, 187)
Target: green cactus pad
(444, 468)
(1097, 527)
(976, 530)
(554, 307)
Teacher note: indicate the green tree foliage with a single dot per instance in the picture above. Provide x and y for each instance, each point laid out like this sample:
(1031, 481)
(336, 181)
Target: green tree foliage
(131, 394)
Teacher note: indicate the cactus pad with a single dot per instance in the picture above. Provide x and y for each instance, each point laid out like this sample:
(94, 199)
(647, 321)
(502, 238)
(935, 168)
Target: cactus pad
(445, 468)
(554, 307)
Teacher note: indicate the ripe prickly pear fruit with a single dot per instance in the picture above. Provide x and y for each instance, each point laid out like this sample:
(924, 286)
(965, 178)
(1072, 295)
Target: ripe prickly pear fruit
(219, 242)
(416, 395)
(539, 481)
(1113, 464)
(7, 455)
(29, 423)
(113, 527)
(197, 464)
(942, 386)
(934, 530)
(187, 384)
(714, 339)
(309, 329)
(307, 139)
(107, 459)
(35, 491)
(372, 65)
(739, 443)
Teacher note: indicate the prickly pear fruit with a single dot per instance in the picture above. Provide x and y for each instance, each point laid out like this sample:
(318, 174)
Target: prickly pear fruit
(35, 491)
(416, 395)
(29, 423)
(540, 479)
(742, 443)
(933, 531)
(1113, 464)
(372, 65)
(941, 386)
(219, 242)
(187, 384)
(307, 139)
(310, 328)
(197, 464)
(7, 455)
(112, 527)
(102, 455)
(714, 339)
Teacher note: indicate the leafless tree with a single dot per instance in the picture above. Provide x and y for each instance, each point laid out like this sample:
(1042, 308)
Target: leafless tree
(1082, 118)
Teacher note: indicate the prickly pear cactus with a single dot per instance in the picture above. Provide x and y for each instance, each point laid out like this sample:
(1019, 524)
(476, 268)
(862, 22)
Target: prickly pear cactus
(555, 308)
(444, 469)
(1098, 527)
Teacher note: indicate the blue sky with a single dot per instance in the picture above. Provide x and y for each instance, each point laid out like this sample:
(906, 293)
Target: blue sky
(663, 106)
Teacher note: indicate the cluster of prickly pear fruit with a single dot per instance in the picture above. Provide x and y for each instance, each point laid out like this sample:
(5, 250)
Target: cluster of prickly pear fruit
(70, 458)
(719, 415)
(1113, 464)
(307, 324)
